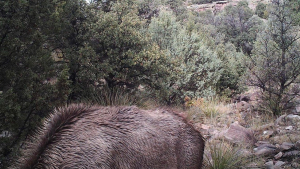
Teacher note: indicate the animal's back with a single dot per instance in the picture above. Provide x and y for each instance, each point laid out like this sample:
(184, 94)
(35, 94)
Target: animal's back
(114, 137)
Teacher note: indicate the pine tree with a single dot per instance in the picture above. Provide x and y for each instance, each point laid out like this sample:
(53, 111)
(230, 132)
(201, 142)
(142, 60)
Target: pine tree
(275, 64)
(26, 70)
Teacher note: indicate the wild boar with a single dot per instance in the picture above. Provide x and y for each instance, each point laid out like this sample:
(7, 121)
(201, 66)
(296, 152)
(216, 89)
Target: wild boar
(81, 136)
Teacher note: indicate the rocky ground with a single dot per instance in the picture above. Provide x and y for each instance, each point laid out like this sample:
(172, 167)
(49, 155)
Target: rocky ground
(266, 141)
(219, 5)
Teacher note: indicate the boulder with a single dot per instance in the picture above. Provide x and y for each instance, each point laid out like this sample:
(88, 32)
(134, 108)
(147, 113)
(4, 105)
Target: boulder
(269, 165)
(274, 165)
(297, 109)
(293, 118)
(287, 120)
(291, 154)
(280, 120)
(239, 134)
(286, 146)
(297, 145)
(278, 156)
(278, 164)
(265, 150)
(243, 106)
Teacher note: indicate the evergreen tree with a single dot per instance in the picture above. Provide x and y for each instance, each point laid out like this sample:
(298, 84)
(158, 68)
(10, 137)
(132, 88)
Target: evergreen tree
(275, 65)
(123, 55)
(26, 70)
(194, 68)
(239, 26)
(68, 38)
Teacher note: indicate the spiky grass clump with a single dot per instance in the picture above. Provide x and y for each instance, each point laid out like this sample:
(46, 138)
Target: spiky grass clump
(222, 156)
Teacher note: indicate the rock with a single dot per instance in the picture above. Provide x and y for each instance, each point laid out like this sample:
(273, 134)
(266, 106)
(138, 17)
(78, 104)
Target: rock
(266, 150)
(239, 134)
(285, 120)
(278, 164)
(297, 145)
(292, 119)
(285, 138)
(259, 143)
(295, 165)
(280, 120)
(267, 134)
(289, 128)
(243, 106)
(269, 165)
(246, 115)
(297, 109)
(290, 154)
(278, 156)
(286, 146)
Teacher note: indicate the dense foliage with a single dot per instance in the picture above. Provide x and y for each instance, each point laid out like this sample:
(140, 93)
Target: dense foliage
(26, 70)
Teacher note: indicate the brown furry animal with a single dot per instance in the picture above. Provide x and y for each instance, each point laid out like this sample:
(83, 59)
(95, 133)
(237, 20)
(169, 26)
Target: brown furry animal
(80, 136)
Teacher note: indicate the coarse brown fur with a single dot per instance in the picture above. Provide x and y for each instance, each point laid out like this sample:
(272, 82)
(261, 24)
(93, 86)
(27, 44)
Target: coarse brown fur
(81, 136)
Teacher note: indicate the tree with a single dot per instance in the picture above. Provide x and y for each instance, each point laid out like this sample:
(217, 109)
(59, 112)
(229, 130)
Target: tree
(194, 68)
(123, 55)
(68, 37)
(239, 26)
(27, 70)
(228, 84)
(274, 66)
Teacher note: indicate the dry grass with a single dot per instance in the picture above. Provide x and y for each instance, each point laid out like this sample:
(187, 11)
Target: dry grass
(210, 111)
(222, 155)
(257, 121)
